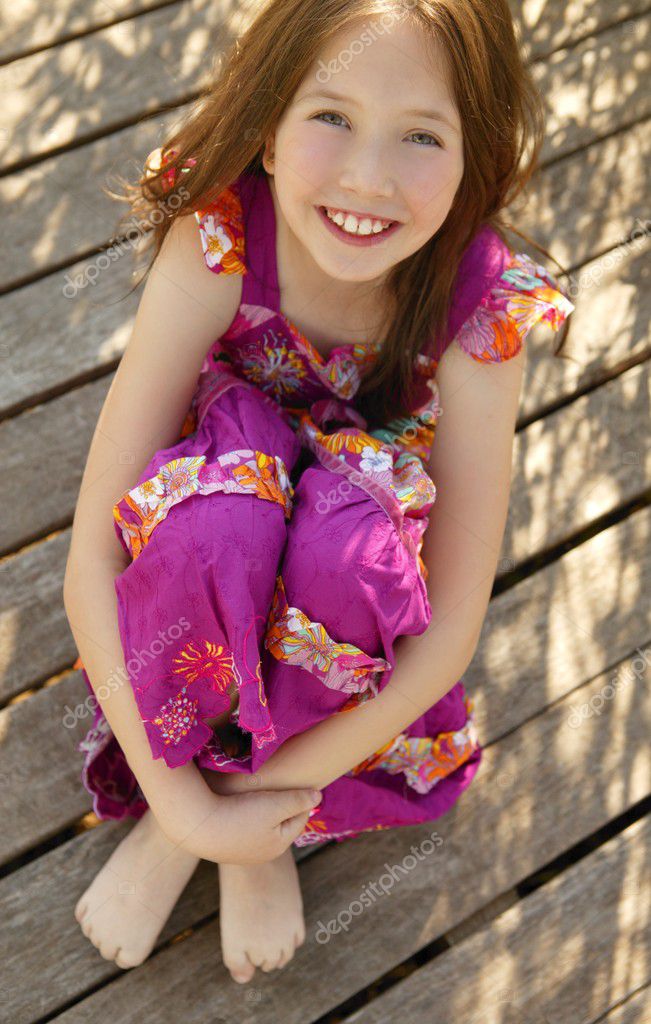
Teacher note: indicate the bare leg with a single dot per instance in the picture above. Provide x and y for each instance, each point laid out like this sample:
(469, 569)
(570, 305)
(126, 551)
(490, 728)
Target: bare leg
(261, 910)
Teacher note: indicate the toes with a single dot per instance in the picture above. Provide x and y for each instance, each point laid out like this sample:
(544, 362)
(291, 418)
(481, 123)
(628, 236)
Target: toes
(126, 959)
(242, 971)
(107, 950)
(80, 910)
(285, 958)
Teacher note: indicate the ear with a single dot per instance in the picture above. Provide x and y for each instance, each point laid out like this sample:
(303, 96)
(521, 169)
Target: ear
(268, 153)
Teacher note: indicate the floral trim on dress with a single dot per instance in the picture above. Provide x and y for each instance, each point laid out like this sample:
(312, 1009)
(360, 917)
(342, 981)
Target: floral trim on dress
(222, 233)
(244, 471)
(399, 485)
(221, 223)
(524, 295)
(292, 637)
(316, 831)
(425, 761)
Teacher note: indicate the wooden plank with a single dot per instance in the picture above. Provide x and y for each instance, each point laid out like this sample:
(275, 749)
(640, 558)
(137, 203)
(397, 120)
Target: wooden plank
(578, 464)
(541, 789)
(169, 46)
(580, 206)
(32, 616)
(636, 1010)
(56, 211)
(26, 28)
(86, 334)
(613, 291)
(55, 98)
(554, 629)
(547, 27)
(589, 472)
(566, 953)
(46, 448)
(595, 87)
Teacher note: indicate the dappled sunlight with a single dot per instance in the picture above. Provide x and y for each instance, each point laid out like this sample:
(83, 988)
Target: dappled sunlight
(527, 900)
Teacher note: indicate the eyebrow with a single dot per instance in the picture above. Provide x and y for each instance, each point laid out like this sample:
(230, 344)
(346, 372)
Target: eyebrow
(430, 115)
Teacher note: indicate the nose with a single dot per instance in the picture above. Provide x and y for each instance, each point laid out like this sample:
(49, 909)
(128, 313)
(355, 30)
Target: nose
(365, 173)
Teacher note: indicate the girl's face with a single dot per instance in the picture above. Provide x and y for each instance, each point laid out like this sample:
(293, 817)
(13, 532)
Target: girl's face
(387, 141)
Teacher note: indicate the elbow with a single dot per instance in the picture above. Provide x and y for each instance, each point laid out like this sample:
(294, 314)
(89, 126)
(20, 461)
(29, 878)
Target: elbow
(467, 654)
(70, 593)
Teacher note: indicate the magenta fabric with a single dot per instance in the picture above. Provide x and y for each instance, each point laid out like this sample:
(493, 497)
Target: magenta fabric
(267, 571)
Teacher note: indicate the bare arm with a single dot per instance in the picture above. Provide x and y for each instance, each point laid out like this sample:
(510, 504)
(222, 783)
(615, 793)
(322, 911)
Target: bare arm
(471, 465)
(184, 308)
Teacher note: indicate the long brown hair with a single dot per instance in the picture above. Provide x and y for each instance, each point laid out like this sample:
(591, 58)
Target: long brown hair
(503, 124)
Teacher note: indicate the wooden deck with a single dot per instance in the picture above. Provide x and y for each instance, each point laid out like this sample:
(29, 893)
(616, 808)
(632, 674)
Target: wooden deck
(535, 907)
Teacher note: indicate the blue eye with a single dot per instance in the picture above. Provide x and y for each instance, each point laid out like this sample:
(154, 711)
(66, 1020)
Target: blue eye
(331, 113)
(328, 113)
(426, 136)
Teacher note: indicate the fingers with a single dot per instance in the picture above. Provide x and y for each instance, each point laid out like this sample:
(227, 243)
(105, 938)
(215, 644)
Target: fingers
(290, 802)
(291, 828)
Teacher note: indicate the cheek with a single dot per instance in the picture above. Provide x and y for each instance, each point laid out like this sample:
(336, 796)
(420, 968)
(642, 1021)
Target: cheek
(313, 154)
(432, 187)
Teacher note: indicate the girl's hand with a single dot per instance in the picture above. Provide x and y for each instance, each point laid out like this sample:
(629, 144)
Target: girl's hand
(245, 828)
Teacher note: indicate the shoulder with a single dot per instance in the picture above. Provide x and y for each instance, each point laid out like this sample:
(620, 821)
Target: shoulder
(500, 295)
(185, 284)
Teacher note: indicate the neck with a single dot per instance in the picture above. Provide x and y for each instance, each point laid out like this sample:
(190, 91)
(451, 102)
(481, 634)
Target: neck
(295, 264)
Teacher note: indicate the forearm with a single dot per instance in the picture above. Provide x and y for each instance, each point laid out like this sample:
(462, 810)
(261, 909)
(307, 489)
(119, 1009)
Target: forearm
(427, 667)
(92, 615)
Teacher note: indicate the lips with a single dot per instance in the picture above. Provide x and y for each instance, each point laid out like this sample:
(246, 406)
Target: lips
(350, 238)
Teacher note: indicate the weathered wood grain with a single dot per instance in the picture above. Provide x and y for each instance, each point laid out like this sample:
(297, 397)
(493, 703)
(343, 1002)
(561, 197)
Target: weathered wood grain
(56, 212)
(85, 87)
(566, 953)
(545, 27)
(55, 99)
(26, 27)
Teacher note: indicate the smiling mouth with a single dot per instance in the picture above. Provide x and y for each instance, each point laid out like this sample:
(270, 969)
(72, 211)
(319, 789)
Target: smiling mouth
(357, 225)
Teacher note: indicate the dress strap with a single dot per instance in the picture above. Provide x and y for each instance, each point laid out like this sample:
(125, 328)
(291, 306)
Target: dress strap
(260, 285)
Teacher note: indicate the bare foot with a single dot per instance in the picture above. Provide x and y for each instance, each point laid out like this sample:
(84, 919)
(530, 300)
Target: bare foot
(260, 915)
(126, 905)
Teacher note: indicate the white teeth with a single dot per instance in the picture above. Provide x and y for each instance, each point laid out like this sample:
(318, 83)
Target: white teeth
(350, 223)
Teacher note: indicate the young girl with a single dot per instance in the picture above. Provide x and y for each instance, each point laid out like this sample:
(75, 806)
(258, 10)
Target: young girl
(331, 280)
